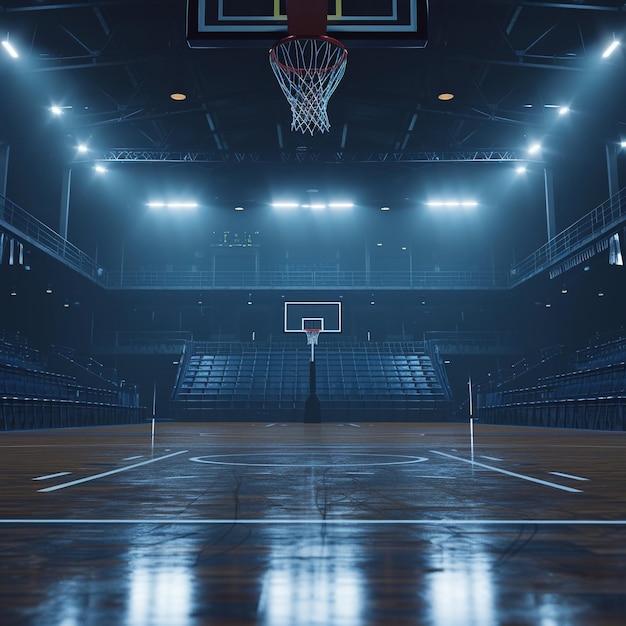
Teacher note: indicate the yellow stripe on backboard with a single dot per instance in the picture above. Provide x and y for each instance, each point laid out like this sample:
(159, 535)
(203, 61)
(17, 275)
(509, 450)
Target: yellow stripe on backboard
(337, 15)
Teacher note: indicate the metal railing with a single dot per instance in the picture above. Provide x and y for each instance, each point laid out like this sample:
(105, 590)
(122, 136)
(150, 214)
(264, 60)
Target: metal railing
(314, 279)
(601, 221)
(577, 238)
(25, 226)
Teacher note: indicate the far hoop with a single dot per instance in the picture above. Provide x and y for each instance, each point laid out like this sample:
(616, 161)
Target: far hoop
(312, 335)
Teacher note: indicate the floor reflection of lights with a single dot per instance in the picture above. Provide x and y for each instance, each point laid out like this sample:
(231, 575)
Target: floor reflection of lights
(312, 584)
(159, 594)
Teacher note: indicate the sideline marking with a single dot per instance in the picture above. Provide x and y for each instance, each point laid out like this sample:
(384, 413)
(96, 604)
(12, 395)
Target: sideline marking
(326, 522)
(568, 476)
(490, 458)
(514, 474)
(115, 471)
(132, 458)
(52, 475)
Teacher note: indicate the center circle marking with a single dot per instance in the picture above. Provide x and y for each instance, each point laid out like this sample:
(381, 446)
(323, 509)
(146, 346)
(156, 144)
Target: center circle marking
(230, 459)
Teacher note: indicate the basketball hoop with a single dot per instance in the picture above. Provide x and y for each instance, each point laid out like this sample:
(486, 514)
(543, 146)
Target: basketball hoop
(308, 70)
(312, 335)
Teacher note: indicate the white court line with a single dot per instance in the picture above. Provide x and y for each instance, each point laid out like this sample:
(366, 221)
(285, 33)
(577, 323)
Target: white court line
(179, 477)
(52, 475)
(269, 425)
(354, 425)
(514, 474)
(110, 473)
(490, 458)
(176, 521)
(568, 476)
(132, 458)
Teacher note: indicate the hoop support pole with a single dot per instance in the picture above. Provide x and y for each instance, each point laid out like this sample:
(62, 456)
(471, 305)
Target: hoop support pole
(307, 18)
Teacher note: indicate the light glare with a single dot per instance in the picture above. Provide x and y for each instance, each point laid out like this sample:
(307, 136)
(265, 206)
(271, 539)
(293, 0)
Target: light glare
(56, 110)
(6, 44)
(534, 148)
(452, 204)
(172, 205)
(341, 205)
(612, 47)
(285, 205)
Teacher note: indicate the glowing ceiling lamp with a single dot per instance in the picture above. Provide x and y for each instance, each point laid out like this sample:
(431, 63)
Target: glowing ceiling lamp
(611, 49)
(6, 44)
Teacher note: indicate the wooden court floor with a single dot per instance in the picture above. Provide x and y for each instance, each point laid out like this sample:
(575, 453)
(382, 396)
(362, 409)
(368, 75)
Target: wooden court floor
(329, 525)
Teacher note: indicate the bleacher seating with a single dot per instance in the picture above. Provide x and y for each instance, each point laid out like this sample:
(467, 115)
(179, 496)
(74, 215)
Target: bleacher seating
(589, 398)
(271, 381)
(605, 351)
(35, 398)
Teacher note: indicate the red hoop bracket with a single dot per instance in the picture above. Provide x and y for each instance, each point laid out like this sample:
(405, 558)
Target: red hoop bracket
(307, 18)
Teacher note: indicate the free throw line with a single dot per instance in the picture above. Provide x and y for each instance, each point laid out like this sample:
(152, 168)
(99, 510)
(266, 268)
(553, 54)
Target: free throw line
(514, 474)
(110, 473)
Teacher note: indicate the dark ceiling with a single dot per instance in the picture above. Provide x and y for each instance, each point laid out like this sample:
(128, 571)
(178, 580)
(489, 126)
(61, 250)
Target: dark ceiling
(116, 63)
(112, 66)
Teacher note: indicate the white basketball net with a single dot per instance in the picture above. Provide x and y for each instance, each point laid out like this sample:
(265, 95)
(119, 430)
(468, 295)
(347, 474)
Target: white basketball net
(312, 336)
(308, 72)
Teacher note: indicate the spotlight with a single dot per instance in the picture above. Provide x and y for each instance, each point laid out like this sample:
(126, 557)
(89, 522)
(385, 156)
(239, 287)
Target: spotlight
(610, 49)
(285, 205)
(100, 169)
(6, 44)
(534, 148)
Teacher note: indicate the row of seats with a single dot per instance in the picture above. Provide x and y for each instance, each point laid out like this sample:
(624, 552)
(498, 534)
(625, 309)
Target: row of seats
(608, 380)
(23, 382)
(27, 413)
(281, 375)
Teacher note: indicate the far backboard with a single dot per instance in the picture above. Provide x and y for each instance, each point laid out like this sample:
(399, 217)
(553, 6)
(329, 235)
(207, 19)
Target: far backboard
(370, 23)
(301, 316)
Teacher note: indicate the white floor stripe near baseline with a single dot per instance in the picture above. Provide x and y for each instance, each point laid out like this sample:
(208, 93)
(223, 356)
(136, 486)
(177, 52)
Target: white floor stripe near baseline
(508, 473)
(318, 521)
(110, 473)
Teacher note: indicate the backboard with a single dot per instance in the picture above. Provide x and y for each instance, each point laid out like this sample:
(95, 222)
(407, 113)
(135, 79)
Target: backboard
(301, 316)
(369, 23)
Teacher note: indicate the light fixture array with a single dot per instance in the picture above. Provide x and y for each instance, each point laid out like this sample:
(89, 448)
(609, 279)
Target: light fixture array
(313, 206)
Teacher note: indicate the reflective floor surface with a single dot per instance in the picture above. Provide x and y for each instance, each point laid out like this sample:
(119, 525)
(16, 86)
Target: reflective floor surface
(329, 525)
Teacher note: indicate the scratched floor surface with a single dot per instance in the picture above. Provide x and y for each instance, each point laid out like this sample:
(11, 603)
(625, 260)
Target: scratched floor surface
(329, 525)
